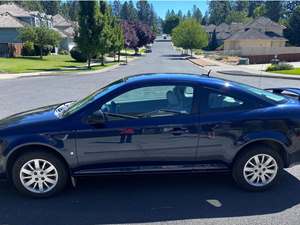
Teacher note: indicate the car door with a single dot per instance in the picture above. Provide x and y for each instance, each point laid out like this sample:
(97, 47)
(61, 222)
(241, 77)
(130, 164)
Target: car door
(146, 128)
(221, 125)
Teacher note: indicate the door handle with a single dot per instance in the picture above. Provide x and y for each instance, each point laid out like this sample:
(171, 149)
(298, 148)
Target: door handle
(178, 131)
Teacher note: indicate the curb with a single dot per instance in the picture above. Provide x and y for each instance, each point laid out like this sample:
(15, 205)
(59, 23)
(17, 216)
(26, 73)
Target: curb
(261, 75)
(287, 77)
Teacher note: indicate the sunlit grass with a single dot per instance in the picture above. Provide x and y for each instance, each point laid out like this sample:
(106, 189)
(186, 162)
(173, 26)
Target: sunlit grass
(295, 71)
(49, 63)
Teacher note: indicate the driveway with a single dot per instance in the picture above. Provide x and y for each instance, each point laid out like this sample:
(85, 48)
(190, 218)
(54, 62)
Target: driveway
(173, 199)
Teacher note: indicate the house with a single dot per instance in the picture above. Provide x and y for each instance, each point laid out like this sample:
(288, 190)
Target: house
(261, 40)
(67, 29)
(14, 17)
(262, 24)
(253, 38)
(9, 35)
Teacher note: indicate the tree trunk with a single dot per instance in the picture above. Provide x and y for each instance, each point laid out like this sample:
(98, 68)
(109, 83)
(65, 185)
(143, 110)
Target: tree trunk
(41, 52)
(119, 56)
(136, 51)
(126, 55)
(102, 59)
(114, 56)
(191, 52)
(89, 63)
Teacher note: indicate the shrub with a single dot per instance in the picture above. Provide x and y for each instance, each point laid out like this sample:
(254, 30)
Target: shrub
(28, 49)
(78, 55)
(46, 50)
(281, 66)
(63, 52)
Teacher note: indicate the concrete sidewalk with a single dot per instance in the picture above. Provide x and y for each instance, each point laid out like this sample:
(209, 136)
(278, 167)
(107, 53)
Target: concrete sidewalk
(238, 70)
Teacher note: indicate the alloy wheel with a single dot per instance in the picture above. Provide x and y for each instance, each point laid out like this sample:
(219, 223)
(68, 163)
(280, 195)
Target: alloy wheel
(39, 176)
(260, 170)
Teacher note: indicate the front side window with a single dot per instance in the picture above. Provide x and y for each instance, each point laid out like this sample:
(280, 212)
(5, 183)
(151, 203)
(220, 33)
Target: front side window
(151, 101)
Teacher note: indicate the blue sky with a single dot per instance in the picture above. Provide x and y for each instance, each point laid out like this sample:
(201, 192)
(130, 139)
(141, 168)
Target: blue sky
(162, 6)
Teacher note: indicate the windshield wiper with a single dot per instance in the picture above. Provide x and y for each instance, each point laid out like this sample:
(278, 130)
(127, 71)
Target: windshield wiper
(120, 115)
(162, 111)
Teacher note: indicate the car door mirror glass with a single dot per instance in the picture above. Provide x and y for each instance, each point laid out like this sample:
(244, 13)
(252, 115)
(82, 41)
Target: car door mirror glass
(96, 118)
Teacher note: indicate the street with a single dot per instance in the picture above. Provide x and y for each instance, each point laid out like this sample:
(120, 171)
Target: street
(173, 199)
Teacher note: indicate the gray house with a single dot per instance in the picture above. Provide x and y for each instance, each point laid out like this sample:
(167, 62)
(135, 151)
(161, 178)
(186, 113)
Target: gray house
(67, 29)
(14, 17)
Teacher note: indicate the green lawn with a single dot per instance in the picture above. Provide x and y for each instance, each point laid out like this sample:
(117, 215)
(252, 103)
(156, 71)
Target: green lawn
(295, 71)
(49, 63)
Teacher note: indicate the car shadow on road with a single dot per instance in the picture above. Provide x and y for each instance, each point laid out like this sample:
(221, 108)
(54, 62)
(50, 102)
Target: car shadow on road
(147, 198)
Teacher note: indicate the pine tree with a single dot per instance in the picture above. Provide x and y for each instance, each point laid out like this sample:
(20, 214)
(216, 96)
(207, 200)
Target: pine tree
(116, 8)
(197, 15)
(273, 10)
(51, 7)
(218, 11)
(90, 29)
(106, 35)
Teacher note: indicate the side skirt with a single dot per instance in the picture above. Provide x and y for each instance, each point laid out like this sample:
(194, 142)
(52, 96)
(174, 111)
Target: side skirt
(198, 168)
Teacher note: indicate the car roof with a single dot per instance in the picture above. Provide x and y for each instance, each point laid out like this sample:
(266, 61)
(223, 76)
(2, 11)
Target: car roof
(179, 77)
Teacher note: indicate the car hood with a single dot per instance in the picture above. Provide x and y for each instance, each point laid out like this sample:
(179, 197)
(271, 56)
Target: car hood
(37, 115)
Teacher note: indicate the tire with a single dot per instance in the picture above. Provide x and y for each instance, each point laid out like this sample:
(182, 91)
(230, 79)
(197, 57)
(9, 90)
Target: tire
(49, 179)
(252, 172)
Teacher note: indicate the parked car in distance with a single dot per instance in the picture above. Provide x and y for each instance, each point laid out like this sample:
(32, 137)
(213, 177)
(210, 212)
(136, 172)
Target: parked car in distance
(154, 123)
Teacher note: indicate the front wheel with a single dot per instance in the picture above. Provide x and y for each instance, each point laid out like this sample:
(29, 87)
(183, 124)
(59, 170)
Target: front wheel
(39, 174)
(257, 169)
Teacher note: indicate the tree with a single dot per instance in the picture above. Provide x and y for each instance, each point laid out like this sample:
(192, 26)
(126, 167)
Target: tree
(197, 15)
(40, 36)
(237, 17)
(170, 23)
(51, 7)
(288, 8)
(218, 11)
(90, 28)
(213, 44)
(70, 9)
(180, 14)
(106, 35)
(117, 39)
(128, 11)
(205, 19)
(273, 10)
(293, 28)
(144, 11)
(116, 8)
(260, 11)
(130, 37)
(144, 34)
(241, 6)
(189, 34)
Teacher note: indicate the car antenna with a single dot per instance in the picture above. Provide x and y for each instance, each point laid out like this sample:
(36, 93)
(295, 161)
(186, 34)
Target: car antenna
(208, 73)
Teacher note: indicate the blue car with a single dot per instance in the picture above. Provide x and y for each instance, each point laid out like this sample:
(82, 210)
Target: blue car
(154, 123)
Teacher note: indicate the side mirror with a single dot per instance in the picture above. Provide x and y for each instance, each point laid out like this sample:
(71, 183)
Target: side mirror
(96, 118)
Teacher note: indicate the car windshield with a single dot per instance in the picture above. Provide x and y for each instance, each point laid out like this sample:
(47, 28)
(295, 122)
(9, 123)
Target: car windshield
(76, 106)
(263, 95)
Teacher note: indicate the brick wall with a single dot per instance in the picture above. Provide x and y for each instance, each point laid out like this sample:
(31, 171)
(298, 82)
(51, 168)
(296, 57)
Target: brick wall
(256, 59)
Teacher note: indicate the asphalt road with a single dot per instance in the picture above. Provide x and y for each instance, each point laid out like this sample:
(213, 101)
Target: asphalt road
(173, 199)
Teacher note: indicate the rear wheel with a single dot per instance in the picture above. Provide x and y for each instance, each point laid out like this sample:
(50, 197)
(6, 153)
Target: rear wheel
(258, 168)
(39, 174)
